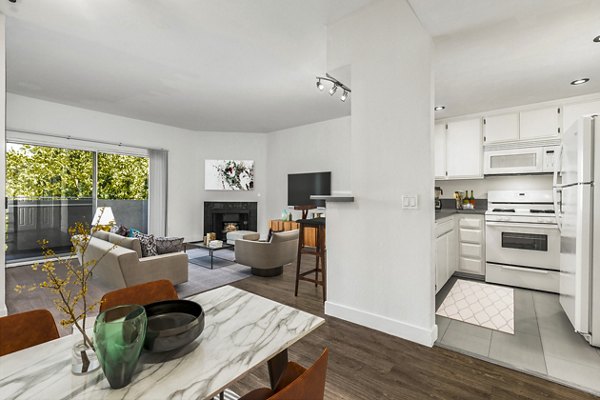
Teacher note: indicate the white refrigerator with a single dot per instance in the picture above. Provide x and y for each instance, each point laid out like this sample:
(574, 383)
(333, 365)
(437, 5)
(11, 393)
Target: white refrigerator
(577, 209)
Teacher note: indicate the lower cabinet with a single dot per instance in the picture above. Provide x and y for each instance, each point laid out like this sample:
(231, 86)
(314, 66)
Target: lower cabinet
(471, 244)
(446, 248)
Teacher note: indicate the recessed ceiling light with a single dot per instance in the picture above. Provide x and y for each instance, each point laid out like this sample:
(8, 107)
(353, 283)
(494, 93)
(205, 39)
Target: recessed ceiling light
(581, 81)
(439, 108)
(597, 39)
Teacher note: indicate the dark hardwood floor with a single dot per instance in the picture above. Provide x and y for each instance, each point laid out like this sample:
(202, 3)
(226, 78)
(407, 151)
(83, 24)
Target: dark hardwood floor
(367, 364)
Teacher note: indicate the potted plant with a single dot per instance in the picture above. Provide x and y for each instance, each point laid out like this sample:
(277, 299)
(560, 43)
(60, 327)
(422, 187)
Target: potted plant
(68, 278)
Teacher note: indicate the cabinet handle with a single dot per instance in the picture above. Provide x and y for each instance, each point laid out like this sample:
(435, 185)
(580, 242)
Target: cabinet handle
(525, 270)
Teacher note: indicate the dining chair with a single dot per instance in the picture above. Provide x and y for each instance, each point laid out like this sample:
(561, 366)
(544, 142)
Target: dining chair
(296, 382)
(142, 294)
(26, 329)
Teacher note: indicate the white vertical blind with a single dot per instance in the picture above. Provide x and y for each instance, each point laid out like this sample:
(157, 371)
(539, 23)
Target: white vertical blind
(157, 192)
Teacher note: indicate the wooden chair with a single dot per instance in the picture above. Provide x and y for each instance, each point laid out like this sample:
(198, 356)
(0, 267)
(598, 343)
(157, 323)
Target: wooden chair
(26, 329)
(296, 383)
(143, 294)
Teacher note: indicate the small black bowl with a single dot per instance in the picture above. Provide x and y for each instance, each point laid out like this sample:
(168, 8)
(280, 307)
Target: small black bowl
(172, 324)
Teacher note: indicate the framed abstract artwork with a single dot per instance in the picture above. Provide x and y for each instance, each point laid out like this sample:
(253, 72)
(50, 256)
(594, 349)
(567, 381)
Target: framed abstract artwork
(229, 175)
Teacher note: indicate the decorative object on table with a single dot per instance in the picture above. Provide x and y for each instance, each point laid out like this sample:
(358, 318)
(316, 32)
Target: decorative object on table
(230, 227)
(119, 334)
(147, 242)
(69, 280)
(165, 245)
(215, 244)
(104, 219)
(229, 175)
(284, 214)
(173, 324)
(209, 237)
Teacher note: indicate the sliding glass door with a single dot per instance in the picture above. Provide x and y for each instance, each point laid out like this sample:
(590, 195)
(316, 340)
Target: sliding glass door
(49, 189)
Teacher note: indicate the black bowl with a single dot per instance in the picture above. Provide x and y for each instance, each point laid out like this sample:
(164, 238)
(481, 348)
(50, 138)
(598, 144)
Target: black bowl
(172, 324)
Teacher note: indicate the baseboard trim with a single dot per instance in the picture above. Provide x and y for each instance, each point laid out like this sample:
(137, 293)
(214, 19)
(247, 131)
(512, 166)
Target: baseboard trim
(417, 334)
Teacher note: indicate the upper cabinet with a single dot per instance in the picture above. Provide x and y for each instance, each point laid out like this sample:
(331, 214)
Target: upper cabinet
(501, 128)
(541, 123)
(464, 149)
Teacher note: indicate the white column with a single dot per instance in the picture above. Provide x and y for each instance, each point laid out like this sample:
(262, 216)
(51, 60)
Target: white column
(380, 256)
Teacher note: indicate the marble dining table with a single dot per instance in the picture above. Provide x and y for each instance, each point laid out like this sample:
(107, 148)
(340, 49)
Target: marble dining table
(242, 330)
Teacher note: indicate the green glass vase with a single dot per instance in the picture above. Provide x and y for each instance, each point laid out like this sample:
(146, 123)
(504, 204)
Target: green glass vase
(119, 335)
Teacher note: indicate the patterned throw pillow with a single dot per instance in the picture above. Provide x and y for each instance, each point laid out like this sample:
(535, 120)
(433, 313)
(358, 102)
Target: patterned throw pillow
(121, 230)
(147, 243)
(166, 245)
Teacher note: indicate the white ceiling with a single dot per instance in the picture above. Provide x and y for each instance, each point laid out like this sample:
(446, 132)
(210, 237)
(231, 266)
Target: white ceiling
(235, 65)
(493, 54)
(249, 65)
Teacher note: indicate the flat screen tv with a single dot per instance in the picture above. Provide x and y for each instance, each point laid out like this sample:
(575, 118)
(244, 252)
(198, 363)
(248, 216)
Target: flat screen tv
(302, 186)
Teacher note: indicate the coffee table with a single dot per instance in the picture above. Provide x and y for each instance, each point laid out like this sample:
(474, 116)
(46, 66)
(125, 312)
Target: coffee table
(211, 250)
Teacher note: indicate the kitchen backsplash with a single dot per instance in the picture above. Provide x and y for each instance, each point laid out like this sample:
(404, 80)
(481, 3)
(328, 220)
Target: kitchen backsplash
(450, 204)
(481, 187)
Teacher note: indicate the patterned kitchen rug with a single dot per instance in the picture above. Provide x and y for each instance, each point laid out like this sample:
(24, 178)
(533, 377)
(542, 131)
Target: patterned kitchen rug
(480, 304)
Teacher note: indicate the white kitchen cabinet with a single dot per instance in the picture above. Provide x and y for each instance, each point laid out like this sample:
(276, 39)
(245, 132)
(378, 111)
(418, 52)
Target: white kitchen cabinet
(501, 128)
(471, 244)
(446, 250)
(540, 123)
(572, 112)
(464, 149)
(439, 151)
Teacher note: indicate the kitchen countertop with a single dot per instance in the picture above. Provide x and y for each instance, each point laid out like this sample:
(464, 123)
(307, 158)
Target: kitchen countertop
(447, 212)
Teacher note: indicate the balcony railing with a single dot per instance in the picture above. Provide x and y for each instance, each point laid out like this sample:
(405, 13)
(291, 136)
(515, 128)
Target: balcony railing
(30, 219)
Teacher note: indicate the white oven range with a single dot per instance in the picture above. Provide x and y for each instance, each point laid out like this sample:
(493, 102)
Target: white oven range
(522, 240)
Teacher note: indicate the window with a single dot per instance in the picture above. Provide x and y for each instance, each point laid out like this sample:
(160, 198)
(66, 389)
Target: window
(49, 189)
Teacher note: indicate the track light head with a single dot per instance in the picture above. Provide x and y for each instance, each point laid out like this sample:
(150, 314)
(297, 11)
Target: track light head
(333, 89)
(344, 95)
(320, 86)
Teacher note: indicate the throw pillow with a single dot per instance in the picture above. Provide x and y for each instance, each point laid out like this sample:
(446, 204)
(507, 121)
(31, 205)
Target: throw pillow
(166, 245)
(147, 243)
(121, 230)
(132, 232)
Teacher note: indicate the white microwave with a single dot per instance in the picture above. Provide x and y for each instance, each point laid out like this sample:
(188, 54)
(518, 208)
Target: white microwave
(534, 160)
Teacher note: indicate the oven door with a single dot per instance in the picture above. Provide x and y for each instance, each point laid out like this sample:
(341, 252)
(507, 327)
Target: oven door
(521, 244)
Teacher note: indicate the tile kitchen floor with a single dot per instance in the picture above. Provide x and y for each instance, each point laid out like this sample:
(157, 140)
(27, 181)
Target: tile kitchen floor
(544, 342)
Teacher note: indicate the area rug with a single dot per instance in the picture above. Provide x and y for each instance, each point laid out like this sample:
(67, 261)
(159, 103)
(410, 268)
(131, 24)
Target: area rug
(202, 279)
(476, 303)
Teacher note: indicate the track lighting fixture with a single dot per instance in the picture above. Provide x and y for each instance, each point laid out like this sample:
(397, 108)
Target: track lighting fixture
(335, 85)
(333, 89)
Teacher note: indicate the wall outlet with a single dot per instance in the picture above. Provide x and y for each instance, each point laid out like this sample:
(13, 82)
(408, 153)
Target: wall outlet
(409, 201)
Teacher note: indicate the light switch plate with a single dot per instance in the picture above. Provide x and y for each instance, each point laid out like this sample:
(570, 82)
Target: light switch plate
(409, 201)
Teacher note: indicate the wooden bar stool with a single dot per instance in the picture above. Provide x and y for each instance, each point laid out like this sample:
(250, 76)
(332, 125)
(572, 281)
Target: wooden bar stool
(319, 252)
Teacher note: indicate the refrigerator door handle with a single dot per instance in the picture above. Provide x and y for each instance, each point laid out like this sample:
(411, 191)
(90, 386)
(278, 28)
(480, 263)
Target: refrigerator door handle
(556, 188)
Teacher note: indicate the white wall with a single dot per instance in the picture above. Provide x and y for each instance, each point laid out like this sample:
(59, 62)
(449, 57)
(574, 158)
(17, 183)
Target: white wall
(481, 187)
(2, 157)
(323, 146)
(187, 152)
(380, 258)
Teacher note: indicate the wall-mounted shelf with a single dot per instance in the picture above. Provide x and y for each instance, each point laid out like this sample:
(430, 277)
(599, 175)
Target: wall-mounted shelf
(333, 198)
